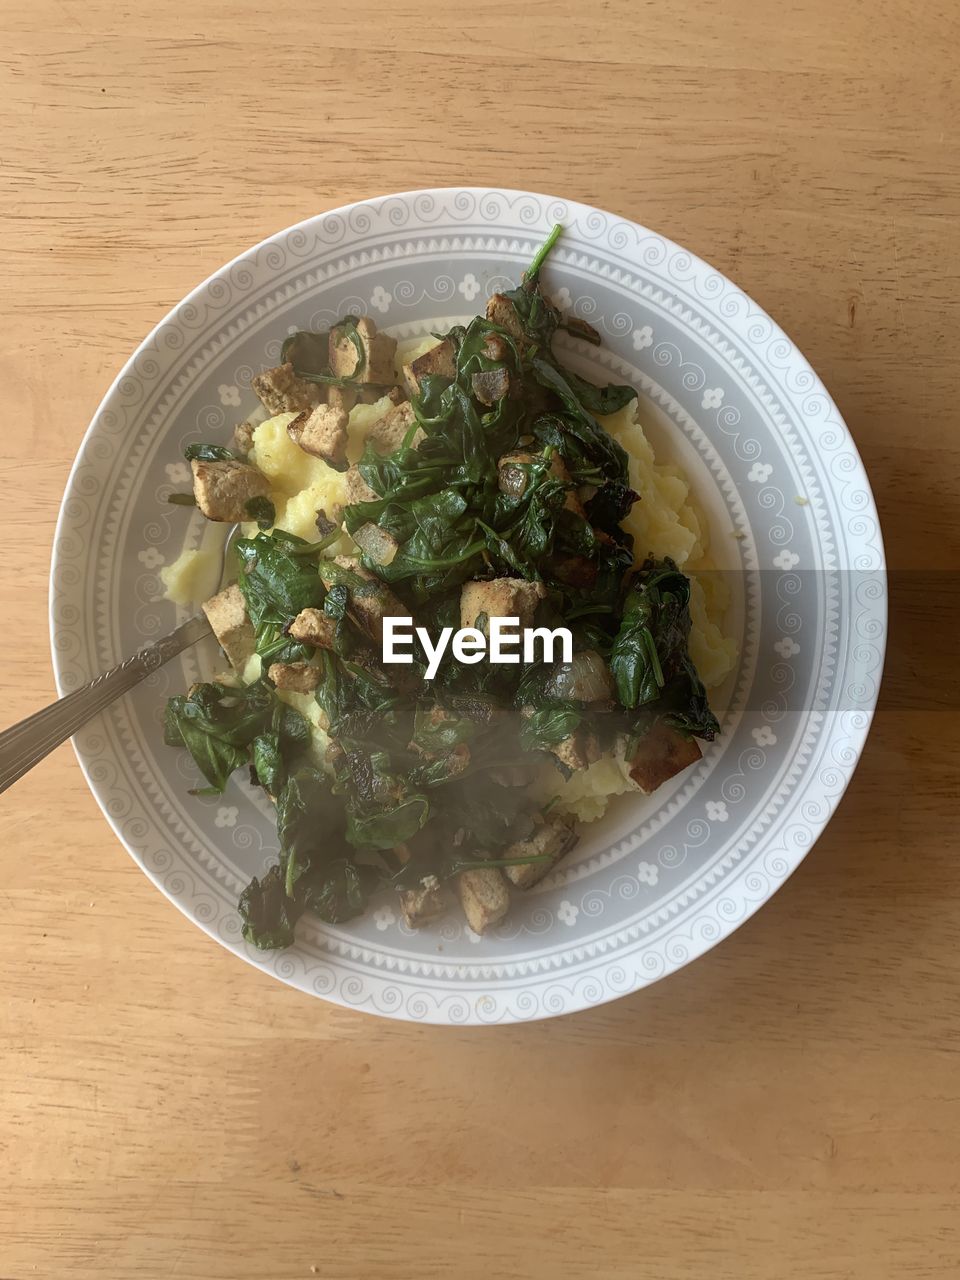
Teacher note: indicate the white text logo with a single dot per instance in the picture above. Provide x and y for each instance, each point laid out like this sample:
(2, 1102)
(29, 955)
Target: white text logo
(505, 643)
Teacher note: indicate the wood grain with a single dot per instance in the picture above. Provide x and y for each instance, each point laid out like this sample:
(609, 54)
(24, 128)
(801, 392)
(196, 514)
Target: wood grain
(787, 1107)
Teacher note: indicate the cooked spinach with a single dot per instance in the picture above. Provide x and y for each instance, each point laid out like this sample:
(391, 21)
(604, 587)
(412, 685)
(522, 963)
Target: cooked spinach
(596, 445)
(549, 724)
(609, 506)
(309, 354)
(386, 828)
(603, 400)
(268, 915)
(218, 724)
(210, 453)
(341, 891)
(438, 771)
(262, 511)
(278, 577)
(649, 659)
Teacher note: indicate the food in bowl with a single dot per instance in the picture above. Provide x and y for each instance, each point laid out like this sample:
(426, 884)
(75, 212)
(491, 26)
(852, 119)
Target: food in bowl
(459, 482)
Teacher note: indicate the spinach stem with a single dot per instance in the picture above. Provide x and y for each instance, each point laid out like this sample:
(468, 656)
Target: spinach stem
(533, 271)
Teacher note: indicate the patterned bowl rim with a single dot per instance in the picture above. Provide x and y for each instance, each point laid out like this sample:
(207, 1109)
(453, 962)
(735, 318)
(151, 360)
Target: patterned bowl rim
(856, 735)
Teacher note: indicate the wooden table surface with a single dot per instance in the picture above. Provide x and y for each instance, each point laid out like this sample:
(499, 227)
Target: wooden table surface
(788, 1106)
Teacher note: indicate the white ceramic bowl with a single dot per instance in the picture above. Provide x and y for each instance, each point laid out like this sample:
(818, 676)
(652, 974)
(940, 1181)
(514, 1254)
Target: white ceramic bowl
(728, 396)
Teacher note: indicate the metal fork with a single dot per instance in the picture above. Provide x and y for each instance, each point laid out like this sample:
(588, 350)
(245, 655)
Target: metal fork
(25, 744)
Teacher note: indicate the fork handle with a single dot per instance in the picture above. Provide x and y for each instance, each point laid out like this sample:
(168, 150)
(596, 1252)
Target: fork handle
(25, 744)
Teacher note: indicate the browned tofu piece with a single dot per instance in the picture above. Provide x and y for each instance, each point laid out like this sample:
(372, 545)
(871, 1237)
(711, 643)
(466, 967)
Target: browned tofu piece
(281, 391)
(378, 353)
(551, 839)
(230, 623)
(440, 360)
(426, 902)
(371, 601)
(313, 626)
(660, 755)
(484, 897)
(357, 488)
(501, 312)
(513, 474)
(496, 348)
(387, 433)
(243, 436)
(322, 432)
(223, 489)
(500, 598)
(491, 385)
(294, 677)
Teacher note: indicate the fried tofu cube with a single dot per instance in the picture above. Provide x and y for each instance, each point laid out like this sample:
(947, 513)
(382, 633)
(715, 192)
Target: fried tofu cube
(387, 433)
(378, 353)
(243, 436)
(281, 391)
(490, 385)
(322, 432)
(426, 902)
(294, 677)
(357, 488)
(230, 623)
(550, 839)
(440, 361)
(502, 312)
(484, 897)
(500, 598)
(371, 601)
(313, 626)
(223, 489)
(660, 755)
(496, 347)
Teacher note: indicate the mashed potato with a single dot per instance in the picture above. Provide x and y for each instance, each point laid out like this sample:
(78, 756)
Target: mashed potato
(666, 522)
(181, 579)
(195, 574)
